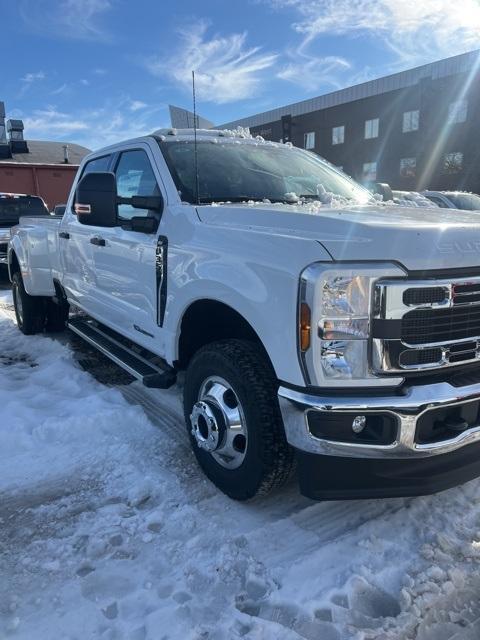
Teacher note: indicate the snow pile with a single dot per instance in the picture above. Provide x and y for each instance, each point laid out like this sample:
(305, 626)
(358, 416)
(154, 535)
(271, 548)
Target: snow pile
(110, 531)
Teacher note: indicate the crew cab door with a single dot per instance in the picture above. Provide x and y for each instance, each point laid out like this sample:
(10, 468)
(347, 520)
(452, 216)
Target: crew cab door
(76, 255)
(124, 259)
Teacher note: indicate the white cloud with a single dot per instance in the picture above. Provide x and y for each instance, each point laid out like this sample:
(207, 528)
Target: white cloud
(226, 69)
(136, 105)
(50, 122)
(313, 72)
(61, 89)
(77, 19)
(416, 31)
(95, 127)
(28, 79)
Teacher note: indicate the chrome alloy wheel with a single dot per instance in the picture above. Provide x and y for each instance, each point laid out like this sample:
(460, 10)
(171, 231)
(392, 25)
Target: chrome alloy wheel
(218, 423)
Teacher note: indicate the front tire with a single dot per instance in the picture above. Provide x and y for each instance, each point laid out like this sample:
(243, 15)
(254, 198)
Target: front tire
(30, 310)
(234, 420)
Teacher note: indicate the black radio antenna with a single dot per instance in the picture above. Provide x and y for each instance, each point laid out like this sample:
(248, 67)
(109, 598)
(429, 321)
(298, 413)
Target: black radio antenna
(197, 193)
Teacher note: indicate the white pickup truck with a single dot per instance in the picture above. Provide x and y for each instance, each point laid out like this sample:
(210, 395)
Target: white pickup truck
(314, 324)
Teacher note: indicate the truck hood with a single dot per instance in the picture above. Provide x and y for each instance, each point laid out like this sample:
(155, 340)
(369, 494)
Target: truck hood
(419, 239)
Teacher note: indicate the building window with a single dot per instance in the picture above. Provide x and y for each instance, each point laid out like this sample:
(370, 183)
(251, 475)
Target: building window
(338, 135)
(309, 140)
(371, 128)
(453, 162)
(408, 167)
(410, 121)
(370, 171)
(457, 111)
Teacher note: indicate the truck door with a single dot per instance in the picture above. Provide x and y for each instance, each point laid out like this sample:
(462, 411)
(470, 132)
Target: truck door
(124, 260)
(76, 252)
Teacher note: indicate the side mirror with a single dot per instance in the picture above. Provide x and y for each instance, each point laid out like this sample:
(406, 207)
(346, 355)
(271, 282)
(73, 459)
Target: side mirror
(384, 189)
(152, 203)
(59, 210)
(142, 224)
(96, 200)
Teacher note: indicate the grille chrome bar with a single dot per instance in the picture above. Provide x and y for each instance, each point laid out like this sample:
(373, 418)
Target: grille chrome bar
(423, 331)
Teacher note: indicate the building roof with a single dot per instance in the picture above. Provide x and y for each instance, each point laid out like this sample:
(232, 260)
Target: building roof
(184, 119)
(48, 152)
(462, 63)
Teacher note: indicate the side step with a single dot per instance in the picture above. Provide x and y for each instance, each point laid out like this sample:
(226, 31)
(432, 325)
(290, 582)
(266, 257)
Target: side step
(149, 370)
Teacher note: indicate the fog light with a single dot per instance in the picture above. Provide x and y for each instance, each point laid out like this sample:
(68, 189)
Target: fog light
(359, 423)
(339, 426)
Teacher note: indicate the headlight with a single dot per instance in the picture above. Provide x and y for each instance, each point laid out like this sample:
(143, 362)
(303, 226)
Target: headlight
(339, 302)
(4, 235)
(345, 306)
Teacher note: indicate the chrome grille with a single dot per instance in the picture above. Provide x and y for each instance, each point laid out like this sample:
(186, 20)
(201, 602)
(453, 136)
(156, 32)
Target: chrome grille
(420, 357)
(465, 293)
(424, 295)
(428, 324)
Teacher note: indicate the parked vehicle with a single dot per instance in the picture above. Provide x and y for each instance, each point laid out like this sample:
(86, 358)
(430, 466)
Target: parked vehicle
(59, 210)
(454, 199)
(342, 333)
(412, 199)
(12, 206)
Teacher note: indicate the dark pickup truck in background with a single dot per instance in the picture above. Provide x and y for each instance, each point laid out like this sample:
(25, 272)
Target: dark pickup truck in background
(12, 207)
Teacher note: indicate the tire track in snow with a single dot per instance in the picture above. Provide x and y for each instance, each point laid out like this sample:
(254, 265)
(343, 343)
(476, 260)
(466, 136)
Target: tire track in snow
(163, 408)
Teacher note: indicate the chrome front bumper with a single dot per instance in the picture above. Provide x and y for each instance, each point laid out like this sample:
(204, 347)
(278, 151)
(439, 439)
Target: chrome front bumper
(406, 407)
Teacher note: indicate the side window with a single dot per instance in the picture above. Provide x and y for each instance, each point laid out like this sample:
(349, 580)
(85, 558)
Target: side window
(135, 177)
(97, 164)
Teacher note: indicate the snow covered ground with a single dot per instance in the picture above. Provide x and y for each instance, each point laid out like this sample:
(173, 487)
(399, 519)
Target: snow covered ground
(108, 529)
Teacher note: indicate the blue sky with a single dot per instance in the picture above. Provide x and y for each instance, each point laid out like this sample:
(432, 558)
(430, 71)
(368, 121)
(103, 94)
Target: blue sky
(96, 71)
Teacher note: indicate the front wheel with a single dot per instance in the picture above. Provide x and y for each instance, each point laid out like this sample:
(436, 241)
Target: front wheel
(234, 421)
(30, 310)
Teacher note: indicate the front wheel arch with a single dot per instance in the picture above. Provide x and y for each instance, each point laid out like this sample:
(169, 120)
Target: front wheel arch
(207, 320)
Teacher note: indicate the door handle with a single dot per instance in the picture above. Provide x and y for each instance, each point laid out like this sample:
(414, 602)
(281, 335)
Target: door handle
(64, 235)
(100, 242)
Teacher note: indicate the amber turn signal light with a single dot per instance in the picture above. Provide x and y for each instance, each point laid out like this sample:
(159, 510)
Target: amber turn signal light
(304, 326)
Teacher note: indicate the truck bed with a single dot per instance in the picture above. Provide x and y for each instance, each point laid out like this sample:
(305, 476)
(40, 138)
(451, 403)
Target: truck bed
(38, 252)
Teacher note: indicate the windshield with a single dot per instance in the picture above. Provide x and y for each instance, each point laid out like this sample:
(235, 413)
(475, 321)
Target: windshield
(13, 207)
(469, 201)
(236, 171)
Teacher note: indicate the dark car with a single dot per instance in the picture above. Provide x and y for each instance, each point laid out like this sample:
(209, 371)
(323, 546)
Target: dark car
(454, 199)
(12, 207)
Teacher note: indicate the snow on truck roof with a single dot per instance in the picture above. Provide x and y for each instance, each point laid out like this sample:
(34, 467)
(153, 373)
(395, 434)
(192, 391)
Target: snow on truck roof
(206, 134)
